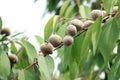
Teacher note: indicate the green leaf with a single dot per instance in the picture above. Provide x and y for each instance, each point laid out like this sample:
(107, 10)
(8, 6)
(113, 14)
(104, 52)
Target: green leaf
(108, 38)
(0, 24)
(70, 11)
(4, 62)
(76, 47)
(73, 71)
(114, 73)
(25, 75)
(67, 55)
(86, 42)
(96, 34)
(39, 40)
(108, 5)
(64, 7)
(55, 21)
(62, 30)
(48, 29)
(84, 11)
(46, 66)
(50, 64)
(30, 49)
(13, 48)
(21, 75)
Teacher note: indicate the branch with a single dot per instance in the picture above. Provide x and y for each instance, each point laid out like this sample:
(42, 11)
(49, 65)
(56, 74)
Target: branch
(33, 64)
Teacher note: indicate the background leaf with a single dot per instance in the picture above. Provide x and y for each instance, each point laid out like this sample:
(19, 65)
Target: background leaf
(4, 62)
(48, 29)
(46, 66)
(108, 38)
(30, 49)
(84, 11)
(39, 40)
(108, 5)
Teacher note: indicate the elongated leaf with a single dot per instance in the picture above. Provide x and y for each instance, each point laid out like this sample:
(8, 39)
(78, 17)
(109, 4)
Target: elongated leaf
(62, 30)
(21, 75)
(55, 21)
(70, 11)
(50, 64)
(64, 7)
(48, 29)
(13, 48)
(0, 24)
(4, 62)
(114, 73)
(86, 42)
(30, 49)
(76, 47)
(96, 34)
(108, 5)
(109, 36)
(46, 66)
(73, 71)
(84, 11)
(39, 40)
(25, 75)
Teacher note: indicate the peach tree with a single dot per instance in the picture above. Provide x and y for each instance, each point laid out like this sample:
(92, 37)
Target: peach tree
(85, 38)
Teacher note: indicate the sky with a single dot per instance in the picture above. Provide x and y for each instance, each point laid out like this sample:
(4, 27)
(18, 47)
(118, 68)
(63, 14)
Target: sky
(26, 16)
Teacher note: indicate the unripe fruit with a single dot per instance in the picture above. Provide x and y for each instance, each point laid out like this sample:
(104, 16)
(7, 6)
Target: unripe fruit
(77, 23)
(55, 40)
(87, 24)
(46, 48)
(95, 14)
(68, 40)
(5, 31)
(13, 58)
(71, 30)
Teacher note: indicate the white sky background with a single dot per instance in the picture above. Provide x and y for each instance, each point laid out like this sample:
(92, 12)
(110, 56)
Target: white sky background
(25, 16)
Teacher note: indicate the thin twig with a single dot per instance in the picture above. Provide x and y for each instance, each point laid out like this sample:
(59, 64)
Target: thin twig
(33, 64)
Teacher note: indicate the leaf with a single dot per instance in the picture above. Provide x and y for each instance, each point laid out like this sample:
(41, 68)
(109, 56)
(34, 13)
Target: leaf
(48, 29)
(73, 71)
(0, 24)
(86, 42)
(64, 7)
(46, 66)
(39, 39)
(4, 62)
(17, 34)
(114, 73)
(70, 11)
(76, 47)
(62, 30)
(21, 75)
(55, 21)
(13, 48)
(30, 49)
(108, 38)
(108, 5)
(84, 11)
(96, 34)
(25, 75)
(50, 64)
